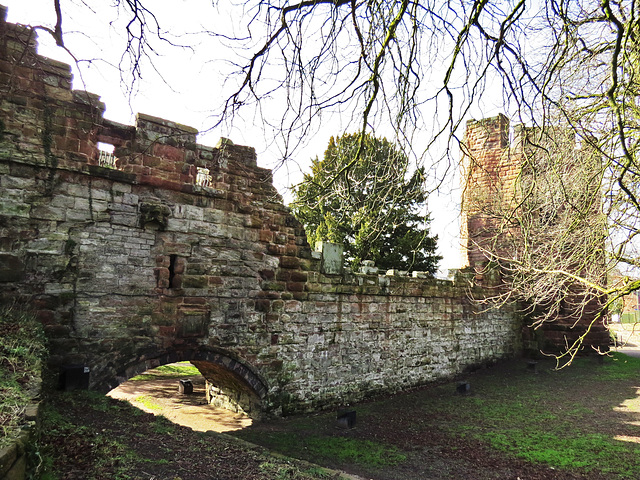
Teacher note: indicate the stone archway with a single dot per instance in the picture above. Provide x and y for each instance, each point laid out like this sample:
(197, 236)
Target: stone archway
(230, 383)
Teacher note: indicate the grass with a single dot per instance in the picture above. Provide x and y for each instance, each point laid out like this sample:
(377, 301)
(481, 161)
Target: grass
(22, 351)
(351, 450)
(530, 419)
(620, 367)
(173, 370)
(147, 402)
(575, 419)
(321, 448)
(280, 471)
(162, 426)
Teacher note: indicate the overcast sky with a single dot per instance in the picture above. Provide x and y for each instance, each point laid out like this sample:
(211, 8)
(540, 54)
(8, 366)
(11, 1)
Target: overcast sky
(189, 83)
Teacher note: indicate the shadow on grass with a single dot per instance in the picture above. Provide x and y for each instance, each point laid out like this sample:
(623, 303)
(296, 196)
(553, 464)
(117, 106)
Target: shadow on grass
(579, 422)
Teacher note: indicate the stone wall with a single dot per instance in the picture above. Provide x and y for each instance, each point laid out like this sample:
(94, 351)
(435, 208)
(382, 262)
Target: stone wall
(171, 250)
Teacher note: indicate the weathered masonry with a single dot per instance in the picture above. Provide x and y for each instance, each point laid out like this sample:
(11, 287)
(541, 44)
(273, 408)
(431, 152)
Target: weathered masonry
(169, 250)
(494, 170)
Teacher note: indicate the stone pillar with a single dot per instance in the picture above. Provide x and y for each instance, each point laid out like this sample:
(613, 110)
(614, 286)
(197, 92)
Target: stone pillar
(332, 258)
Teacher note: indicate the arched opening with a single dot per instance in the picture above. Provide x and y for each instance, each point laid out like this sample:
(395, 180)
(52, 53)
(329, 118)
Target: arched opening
(227, 389)
(203, 390)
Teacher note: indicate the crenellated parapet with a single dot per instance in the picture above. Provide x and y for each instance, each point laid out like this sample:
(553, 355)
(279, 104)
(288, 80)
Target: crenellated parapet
(47, 123)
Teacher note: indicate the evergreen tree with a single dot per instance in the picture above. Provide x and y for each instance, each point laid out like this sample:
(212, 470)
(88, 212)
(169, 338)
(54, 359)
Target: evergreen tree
(362, 194)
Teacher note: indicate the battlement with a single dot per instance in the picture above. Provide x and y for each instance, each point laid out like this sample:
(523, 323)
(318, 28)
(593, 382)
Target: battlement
(49, 124)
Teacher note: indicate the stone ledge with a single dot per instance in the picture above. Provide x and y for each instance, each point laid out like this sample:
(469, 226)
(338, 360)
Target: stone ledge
(13, 457)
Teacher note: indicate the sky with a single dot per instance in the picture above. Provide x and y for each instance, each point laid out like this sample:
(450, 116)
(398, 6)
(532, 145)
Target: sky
(189, 82)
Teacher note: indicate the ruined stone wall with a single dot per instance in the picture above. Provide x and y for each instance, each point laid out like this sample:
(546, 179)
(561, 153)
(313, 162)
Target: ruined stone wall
(497, 176)
(173, 250)
(490, 168)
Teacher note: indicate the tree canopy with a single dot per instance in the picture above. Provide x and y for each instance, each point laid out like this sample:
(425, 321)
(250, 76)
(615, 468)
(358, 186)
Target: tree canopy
(373, 204)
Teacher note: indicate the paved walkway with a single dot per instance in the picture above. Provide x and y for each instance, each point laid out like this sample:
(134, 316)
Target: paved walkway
(628, 335)
(160, 396)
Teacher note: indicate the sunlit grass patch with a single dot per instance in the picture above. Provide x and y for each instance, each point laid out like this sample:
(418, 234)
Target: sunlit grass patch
(619, 366)
(172, 370)
(147, 402)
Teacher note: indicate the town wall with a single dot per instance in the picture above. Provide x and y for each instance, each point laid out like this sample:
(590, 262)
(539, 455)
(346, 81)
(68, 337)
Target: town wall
(170, 250)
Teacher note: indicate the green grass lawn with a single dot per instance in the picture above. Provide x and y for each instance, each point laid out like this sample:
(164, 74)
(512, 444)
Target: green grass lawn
(541, 419)
(584, 420)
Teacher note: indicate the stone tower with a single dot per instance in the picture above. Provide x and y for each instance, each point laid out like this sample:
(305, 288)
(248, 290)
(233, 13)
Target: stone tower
(495, 173)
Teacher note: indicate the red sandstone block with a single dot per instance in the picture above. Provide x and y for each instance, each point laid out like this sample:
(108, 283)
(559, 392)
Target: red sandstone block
(67, 144)
(297, 276)
(283, 276)
(26, 84)
(180, 265)
(149, 179)
(295, 286)
(159, 182)
(162, 277)
(167, 331)
(136, 169)
(134, 159)
(149, 161)
(267, 274)
(168, 152)
(88, 149)
(46, 317)
(266, 236)
(263, 305)
(214, 281)
(289, 262)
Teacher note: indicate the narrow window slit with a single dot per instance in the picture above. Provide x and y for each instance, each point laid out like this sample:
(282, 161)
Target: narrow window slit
(172, 269)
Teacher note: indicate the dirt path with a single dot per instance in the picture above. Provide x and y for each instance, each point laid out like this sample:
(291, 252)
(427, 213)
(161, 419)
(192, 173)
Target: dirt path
(161, 397)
